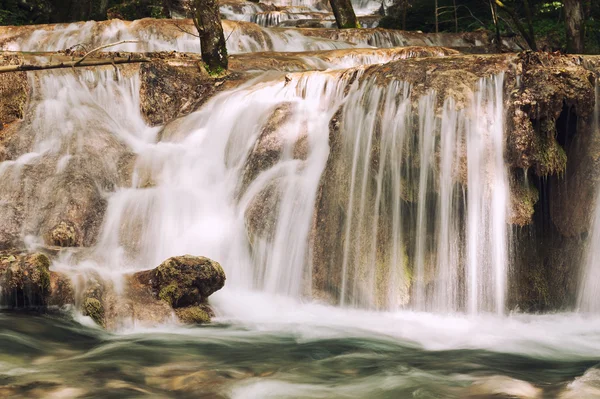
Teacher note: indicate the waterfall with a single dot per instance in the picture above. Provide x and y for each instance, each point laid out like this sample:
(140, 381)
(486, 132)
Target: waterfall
(426, 200)
(588, 300)
(419, 187)
(201, 187)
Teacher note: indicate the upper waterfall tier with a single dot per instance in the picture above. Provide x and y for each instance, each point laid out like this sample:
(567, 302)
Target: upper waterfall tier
(310, 13)
(243, 37)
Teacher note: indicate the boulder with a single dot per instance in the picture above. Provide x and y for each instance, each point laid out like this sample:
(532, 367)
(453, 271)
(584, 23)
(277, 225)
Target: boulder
(178, 287)
(26, 282)
(184, 281)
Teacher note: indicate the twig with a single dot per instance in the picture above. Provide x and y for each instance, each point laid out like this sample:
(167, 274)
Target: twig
(185, 31)
(103, 47)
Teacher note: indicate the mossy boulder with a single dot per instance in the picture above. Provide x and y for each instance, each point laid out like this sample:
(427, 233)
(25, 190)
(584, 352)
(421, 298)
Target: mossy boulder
(184, 281)
(26, 282)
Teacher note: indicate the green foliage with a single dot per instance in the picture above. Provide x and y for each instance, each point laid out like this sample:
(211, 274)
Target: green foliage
(26, 12)
(215, 72)
(137, 9)
(548, 19)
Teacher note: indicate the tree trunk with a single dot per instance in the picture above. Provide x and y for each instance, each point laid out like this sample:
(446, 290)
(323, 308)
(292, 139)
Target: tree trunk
(574, 21)
(437, 27)
(212, 40)
(494, 10)
(528, 34)
(455, 16)
(344, 14)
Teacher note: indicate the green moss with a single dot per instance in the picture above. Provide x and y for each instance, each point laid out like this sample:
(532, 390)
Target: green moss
(94, 309)
(44, 279)
(170, 294)
(552, 158)
(193, 315)
(41, 265)
(216, 72)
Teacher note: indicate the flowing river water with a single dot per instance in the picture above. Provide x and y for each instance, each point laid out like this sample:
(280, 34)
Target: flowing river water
(275, 335)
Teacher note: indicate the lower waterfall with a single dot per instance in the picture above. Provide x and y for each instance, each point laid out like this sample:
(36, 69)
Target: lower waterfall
(426, 197)
(588, 300)
(423, 193)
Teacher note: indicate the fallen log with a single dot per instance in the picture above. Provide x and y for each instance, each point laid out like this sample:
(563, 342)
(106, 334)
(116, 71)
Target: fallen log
(70, 64)
(77, 63)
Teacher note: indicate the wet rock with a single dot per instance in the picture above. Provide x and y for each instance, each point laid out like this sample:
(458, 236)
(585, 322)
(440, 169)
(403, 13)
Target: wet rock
(199, 314)
(93, 308)
(62, 292)
(573, 193)
(63, 235)
(14, 91)
(276, 140)
(26, 282)
(586, 386)
(261, 214)
(524, 196)
(184, 281)
(94, 299)
(169, 91)
(547, 84)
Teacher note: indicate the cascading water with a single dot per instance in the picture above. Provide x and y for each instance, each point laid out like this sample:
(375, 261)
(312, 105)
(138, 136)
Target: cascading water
(189, 194)
(588, 300)
(426, 193)
(428, 196)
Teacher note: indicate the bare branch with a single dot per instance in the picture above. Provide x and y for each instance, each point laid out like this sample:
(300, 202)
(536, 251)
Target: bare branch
(185, 30)
(103, 47)
(70, 64)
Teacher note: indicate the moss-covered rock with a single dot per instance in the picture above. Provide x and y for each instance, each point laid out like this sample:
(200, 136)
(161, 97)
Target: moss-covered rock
(24, 280)
(194, 314)
(546, 85)
(184, 281)
(523, 198)
(93, 308)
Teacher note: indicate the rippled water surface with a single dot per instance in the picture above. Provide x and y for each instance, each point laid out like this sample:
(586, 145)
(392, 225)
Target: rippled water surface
(304, 351)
